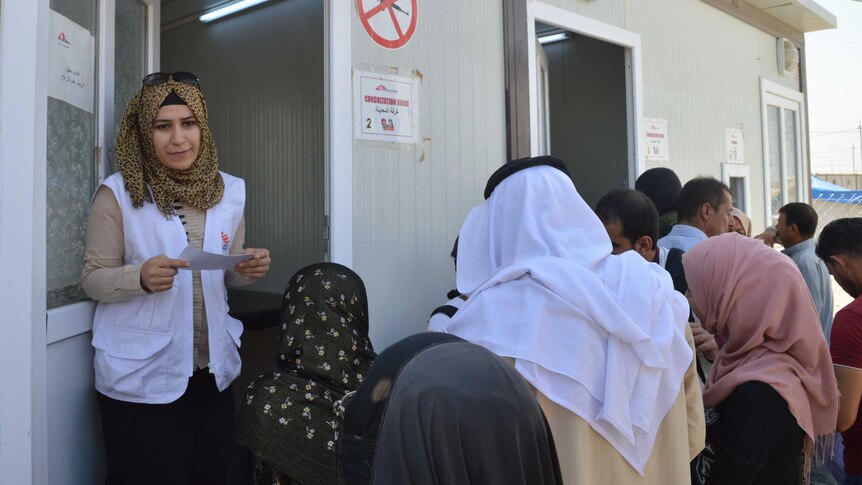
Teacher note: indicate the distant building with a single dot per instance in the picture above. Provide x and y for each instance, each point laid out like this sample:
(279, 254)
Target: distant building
(847, 180)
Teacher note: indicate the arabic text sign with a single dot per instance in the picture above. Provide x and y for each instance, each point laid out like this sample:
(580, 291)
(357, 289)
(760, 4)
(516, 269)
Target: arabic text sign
(71, 60)
(386, 107)
(735, 145)
(655, 134)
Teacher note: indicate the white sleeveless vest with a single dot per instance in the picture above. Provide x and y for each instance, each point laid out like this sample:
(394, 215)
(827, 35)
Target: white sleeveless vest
(144, 345)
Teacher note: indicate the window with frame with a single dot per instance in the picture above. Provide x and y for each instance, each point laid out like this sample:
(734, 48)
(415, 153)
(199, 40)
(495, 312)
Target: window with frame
(737, 188)
(737, 176)
(77, 137)
(784, 179)
(70, 174)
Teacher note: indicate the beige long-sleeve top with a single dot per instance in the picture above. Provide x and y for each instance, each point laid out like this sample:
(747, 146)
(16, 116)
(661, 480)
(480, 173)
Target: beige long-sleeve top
(105, 278)
(586, 458)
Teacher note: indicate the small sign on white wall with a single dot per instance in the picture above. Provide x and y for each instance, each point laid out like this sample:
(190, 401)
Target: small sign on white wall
(655, 135)
(71, 58)
(735, 145)
(386, 107)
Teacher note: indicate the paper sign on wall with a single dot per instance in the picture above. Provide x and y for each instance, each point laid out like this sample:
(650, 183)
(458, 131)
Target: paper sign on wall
(655, 135)
(70, 69)
(385, 107)
(735, 145)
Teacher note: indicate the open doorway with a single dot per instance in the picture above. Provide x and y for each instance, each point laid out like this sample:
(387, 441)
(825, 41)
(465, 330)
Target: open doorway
(582, 97)
(262, 71)
(585, 101)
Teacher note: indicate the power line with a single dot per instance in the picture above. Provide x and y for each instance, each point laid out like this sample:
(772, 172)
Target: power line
(827, 133)
(832, 151)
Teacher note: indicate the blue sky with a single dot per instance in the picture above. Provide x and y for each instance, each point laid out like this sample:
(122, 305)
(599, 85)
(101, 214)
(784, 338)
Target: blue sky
(835, 88)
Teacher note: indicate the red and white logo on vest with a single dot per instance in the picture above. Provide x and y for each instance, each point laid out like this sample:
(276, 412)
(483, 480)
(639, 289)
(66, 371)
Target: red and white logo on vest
(225, 240)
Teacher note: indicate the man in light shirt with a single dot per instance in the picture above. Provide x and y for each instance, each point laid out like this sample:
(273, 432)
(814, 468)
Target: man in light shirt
(797, 222)
(703, 209)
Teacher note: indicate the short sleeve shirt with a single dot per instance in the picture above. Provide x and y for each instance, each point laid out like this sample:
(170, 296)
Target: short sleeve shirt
(846, 349)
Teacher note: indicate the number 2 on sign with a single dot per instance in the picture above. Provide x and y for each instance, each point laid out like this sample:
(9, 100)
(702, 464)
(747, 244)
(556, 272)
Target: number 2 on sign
(368, 122)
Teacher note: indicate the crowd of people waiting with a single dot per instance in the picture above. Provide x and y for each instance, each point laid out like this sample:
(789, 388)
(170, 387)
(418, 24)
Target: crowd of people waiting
(649, 341)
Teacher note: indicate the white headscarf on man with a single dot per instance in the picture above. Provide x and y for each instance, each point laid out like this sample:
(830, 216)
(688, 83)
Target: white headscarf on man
(601, 335)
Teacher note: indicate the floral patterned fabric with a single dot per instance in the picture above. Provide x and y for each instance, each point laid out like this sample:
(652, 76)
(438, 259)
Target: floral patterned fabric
(288, 420)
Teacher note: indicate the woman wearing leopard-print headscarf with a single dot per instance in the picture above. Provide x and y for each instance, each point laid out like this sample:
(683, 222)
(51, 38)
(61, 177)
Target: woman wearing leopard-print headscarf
(165, 346)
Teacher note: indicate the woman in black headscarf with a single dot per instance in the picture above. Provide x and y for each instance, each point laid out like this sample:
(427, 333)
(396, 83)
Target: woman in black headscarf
(438, 410)
(662, 186)
(289, 420)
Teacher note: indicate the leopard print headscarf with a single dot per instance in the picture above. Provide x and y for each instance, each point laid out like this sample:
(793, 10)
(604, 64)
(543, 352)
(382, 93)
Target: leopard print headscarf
(200, 186)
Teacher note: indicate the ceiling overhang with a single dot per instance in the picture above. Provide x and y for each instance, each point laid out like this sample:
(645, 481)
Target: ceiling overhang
(804, 15)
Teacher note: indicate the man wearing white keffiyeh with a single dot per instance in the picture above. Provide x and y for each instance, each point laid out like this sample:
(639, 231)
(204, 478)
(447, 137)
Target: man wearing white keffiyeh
(602, 338)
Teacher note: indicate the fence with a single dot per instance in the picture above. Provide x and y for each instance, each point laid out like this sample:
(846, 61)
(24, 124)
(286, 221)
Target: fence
(830, 209)
(834, 202)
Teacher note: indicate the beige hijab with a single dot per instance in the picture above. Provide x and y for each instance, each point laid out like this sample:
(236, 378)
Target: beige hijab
(755, 299)
(743, 219)
(200, 186)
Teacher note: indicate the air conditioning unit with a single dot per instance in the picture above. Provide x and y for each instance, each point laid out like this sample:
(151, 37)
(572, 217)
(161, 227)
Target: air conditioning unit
(788, 56)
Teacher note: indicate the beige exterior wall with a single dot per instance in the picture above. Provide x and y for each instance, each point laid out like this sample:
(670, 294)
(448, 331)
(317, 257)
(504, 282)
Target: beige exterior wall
(611, 12)
(701, 72)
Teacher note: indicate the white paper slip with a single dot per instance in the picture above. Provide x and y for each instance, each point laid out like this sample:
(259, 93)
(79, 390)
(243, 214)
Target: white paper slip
(202, 260)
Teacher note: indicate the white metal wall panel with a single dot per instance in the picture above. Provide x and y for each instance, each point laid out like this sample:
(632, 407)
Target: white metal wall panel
(701, 72)
(608, 11)
(410, 201)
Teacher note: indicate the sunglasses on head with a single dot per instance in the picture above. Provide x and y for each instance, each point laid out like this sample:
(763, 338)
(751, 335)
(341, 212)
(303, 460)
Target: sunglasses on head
(157, 78)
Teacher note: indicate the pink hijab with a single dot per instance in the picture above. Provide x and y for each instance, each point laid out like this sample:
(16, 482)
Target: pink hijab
(755, 298)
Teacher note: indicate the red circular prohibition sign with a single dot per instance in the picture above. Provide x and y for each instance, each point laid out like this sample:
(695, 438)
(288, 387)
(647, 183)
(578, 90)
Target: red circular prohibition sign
(387, 6)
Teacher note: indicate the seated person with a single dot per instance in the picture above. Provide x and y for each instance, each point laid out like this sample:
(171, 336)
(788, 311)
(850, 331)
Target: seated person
(438, 410)
(288, 421)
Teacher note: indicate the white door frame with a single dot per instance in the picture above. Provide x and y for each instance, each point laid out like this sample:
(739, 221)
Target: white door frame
(106, 132)
(564, 19)
(24, 28)
(774, 94)
(339, 129)
(543, 117)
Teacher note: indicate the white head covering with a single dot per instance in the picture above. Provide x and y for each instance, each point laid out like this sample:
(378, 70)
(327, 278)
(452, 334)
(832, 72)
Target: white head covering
(601, 335)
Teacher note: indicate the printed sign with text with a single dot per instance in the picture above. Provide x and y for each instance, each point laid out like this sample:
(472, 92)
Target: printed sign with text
(386, 107)
(71, 62)
(735, 145)
(655, 134)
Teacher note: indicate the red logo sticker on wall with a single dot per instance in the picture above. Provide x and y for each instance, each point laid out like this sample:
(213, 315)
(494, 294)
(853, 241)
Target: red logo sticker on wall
(390, 23)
